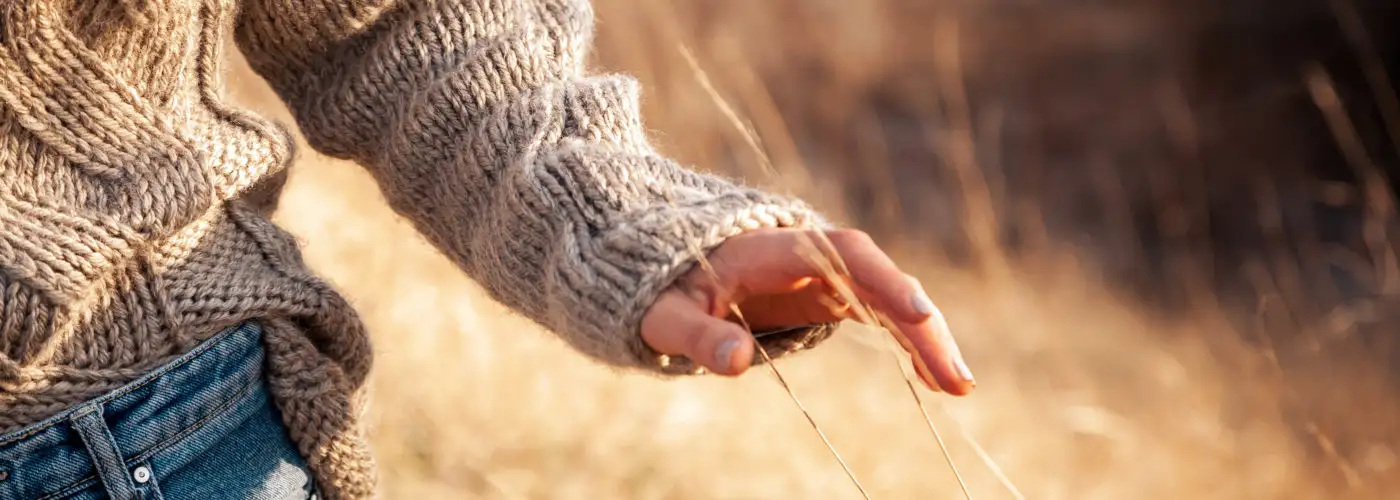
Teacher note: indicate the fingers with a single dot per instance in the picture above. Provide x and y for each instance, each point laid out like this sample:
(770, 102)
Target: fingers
(765, 272)
(876, 275)
(678, 324)
(921, 327)
(770, 263)
(812, 304)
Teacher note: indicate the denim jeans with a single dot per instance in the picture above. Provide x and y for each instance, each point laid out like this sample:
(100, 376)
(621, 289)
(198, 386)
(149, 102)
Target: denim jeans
(200, 427)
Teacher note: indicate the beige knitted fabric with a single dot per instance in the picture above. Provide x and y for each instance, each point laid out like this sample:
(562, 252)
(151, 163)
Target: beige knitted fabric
(134, 200)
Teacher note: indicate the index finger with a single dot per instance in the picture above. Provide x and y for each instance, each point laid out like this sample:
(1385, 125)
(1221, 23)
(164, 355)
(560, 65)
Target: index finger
(935, 355)
(912, 318)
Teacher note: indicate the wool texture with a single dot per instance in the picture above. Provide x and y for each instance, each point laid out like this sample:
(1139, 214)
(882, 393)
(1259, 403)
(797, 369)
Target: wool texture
(134, 200)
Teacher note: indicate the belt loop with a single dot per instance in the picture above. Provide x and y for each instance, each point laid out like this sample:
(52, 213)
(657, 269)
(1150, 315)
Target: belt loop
(102, 449)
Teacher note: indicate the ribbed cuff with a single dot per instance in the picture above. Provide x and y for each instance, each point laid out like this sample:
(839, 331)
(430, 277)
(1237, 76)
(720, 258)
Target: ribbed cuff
(622, 269)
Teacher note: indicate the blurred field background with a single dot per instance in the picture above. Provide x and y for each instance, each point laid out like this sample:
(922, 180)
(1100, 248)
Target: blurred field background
(1102, 196)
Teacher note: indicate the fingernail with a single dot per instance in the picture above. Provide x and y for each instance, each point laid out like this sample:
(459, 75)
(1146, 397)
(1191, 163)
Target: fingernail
(963, 372)
(724, 352)
(922, 303)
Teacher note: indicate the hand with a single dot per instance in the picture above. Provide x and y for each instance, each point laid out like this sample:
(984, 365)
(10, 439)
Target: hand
(765, 274)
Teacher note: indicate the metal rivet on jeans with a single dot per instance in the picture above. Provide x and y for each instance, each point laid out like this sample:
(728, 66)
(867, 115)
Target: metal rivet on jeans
(4, 474)
(141, 474)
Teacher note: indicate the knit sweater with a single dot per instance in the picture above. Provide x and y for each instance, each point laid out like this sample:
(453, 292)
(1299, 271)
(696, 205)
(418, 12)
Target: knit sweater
(134, 200)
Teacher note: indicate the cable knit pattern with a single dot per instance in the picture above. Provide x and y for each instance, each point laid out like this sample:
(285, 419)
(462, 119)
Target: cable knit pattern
(134, 201)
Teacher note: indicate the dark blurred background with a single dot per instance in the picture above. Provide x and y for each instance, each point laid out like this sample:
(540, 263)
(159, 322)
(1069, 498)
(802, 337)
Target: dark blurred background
(1227, 158)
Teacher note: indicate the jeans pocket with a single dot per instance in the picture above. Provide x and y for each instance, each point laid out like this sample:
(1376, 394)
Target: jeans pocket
(244, 453)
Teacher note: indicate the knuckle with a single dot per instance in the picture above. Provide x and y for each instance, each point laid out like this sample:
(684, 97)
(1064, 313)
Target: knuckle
(695, 341)
(719, 261)
(850, 238)
(718, 267)
(692, 281)
(851, 235)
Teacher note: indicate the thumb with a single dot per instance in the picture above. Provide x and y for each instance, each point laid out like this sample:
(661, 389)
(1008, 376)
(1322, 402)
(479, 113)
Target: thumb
(677, 324)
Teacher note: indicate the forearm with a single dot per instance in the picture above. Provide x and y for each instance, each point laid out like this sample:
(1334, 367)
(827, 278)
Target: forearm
(482, 128)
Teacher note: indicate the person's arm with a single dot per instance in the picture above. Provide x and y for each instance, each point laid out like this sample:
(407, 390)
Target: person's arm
(482, 127)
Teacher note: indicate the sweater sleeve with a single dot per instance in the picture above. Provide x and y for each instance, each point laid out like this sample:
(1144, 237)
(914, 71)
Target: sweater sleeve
(482, 127)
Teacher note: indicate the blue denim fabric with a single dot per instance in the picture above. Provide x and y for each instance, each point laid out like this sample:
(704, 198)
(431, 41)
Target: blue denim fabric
(200, 427)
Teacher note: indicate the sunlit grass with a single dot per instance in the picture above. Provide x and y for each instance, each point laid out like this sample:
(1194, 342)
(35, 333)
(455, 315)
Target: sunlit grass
(1082, 394)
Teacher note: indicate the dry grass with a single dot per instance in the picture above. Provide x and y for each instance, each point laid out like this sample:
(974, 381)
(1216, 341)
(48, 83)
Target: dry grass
(1082, 394)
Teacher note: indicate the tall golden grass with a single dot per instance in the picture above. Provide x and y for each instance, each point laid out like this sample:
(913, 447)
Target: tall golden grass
(1083, 392)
